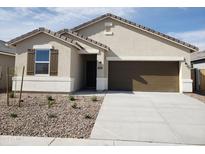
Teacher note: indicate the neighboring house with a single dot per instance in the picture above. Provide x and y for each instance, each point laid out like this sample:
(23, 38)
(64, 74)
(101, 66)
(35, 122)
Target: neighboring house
(106, 53)
(198, 63)
(7, 59)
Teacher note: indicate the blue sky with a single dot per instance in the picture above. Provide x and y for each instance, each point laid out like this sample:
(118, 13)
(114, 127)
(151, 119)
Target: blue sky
(187, 24)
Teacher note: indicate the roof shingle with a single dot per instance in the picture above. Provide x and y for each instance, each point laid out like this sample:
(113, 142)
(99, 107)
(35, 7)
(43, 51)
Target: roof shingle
(84, 38)
(5, 49)
(42, 29)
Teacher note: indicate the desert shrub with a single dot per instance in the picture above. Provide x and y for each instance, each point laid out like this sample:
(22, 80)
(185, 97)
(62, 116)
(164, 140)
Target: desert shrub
(87, 116)
(74, 105)
(13, 115)
(11, 94)
(71, 98)
(50, 103)
(50, 98)
(94, 98)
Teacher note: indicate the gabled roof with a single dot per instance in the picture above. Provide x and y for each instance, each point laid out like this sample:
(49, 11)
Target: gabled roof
(5, 50)
(46, 31)
(141, 27)
(80, 36)
(198, 55)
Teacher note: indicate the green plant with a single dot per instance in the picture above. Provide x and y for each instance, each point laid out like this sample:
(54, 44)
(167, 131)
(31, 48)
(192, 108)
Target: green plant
(50, 103)
(50, 98)
(11, 95)
(94, 98)
(74, 105)
(52, 115)
(13, 115)
(87, 116)
(71, 98)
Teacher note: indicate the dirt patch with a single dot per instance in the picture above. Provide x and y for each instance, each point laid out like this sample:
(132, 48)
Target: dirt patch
(200, 97)
(59, 117)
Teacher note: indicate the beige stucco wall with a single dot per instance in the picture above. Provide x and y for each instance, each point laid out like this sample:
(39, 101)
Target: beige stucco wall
(64, 58)
(128, 41)
(5, 61)
(76, 69)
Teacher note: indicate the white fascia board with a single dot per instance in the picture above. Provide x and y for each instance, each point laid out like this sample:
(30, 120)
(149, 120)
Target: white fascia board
(89, 51)
(7, 54)
(146, 58)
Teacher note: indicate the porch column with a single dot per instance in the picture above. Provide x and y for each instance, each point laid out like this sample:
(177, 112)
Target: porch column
(185, 80)
(101, 80)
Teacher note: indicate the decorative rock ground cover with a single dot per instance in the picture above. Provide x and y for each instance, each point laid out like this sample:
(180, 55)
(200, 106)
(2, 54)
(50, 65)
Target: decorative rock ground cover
(56, 116)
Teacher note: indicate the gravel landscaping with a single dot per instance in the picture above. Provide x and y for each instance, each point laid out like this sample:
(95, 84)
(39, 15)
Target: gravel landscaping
(55, 116)
(198, 96)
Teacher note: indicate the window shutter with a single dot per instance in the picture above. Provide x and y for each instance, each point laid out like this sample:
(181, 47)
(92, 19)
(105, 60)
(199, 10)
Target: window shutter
(30, 61)
(54, 62)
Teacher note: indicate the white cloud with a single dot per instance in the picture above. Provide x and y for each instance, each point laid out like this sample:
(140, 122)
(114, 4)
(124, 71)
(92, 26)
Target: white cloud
(15, 21)
(196, 38)
(69, 17)
(6, 16)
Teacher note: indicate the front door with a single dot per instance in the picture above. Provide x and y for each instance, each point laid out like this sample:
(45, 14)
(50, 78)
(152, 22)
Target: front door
(91, 74)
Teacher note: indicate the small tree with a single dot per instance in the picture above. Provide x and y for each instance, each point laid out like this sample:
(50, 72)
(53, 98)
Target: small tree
(21, 86)
(9, 75)
(7, 86)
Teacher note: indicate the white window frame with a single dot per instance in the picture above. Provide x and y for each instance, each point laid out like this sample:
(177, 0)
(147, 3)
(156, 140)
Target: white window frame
(43, 62)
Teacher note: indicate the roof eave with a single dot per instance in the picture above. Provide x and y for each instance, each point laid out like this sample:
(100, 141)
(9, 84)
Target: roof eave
(86, 25)
(45, 31)
(7, 53)
(65, 31)
(193, 60)
(20, 40)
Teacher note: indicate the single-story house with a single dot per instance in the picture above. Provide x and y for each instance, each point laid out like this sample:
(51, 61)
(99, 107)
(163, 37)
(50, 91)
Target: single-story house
(106, 53)
(198, 63)
(7, 59)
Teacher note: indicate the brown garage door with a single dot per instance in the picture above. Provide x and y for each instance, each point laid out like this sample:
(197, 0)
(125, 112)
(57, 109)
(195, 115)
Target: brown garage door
(143, 76)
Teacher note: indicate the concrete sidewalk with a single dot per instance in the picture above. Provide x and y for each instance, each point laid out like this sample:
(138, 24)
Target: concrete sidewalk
(50, 141)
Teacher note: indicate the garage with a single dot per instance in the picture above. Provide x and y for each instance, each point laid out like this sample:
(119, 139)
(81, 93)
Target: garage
(153, 76)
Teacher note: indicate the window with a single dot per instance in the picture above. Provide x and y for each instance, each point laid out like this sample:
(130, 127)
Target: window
(42, 61)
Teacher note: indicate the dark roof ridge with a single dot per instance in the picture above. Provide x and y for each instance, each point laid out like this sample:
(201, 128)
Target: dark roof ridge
(83, 37)
(42, 29)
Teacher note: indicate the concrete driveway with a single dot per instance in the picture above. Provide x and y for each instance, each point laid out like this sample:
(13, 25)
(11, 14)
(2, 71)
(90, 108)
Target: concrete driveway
(151, 117)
